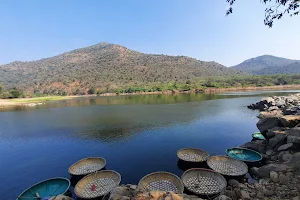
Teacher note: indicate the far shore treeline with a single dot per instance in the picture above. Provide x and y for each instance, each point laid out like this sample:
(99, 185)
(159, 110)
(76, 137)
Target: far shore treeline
(196, 85)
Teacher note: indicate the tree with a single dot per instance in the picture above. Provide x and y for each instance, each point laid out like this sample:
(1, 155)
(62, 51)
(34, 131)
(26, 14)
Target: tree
(91, 91)
(276, 11)
(1, 88)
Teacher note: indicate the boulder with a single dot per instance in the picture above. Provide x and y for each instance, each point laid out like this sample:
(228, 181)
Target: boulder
(265, 170)
(233, 183)
(267, 123)
(257, 145)
(267, 192)
(295, 158)
(290, 120)
(277, 140)
(285, 146)
(222, 197)
(245, 195)
(273, 113)
(280, 103)
(287, 157)
(293, 131)
(274, 176)
(272, 108)
(283, 179)
(293, 139)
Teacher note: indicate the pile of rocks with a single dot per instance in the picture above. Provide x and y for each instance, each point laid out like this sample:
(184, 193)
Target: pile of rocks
(279, 122)
(127, 192)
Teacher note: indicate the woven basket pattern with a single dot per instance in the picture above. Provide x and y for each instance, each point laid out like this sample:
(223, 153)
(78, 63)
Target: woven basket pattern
(192, 155)
(203, 181)
(87, 166)
(227, 166)
(163, 181)
(97, 184)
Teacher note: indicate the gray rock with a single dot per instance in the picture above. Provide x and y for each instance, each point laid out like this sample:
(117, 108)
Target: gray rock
(269, 152)
(295, 158)
(125, 198)
(245, 195)
(222, 197)
(267, 192)
(296, 198)
(133, 187)
(242, 186)
(274, 176)
(260, 195)
(277, 140)
(270, 134)
(257, 145)
(273, 108)
(283, 179)
(274, 158)
(273, 113)
(285, 147)
(233, 183)
(293, 139)
(280, 103)
(290, 120)
(267, 123)
(287, 157)
(265, 170)
(280, 155)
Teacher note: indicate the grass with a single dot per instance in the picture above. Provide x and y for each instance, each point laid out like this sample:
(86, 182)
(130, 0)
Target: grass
(40, 99)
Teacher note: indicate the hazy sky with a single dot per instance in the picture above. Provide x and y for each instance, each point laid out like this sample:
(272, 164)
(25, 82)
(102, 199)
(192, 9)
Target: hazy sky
(34, 29)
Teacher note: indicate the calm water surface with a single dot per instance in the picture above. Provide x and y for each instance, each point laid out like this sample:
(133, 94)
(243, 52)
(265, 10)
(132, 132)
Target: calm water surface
(137, 135)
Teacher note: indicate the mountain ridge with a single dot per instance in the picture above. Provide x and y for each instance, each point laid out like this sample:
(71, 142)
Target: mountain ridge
(268, 64)
(106, 67)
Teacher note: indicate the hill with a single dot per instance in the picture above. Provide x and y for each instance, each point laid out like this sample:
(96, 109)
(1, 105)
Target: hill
(105, 67)
(267, 64)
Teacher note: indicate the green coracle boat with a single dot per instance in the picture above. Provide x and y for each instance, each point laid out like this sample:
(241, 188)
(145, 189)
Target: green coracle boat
(258, 136)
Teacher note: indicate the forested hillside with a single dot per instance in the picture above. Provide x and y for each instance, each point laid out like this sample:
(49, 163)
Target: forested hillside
(105, 67)
(267, 64)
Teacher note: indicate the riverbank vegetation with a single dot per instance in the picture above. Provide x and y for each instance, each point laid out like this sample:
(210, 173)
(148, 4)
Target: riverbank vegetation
(196, 85)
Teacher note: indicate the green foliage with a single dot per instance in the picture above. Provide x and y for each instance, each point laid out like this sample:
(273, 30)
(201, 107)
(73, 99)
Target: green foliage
(16, 93)
(276, 11)
(91, 91)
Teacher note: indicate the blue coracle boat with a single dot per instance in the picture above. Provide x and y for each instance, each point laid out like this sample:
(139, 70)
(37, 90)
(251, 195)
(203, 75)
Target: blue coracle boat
(244, 154)
(258, 136)
(46, 189)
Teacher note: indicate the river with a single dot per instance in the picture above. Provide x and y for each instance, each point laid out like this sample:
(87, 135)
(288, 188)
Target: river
(136, 135)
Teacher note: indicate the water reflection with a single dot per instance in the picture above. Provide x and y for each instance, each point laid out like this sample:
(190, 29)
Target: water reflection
(143, 99)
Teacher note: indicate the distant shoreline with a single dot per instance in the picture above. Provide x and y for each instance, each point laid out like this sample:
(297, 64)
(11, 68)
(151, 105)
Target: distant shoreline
(40, 100)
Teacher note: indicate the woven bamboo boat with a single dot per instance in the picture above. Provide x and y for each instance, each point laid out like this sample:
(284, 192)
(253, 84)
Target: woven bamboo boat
(87, 166)
(192, 155)
(227, 166)
(163, 181)
(243, 154)
(97, 184)
(46, 189)
(203, 181)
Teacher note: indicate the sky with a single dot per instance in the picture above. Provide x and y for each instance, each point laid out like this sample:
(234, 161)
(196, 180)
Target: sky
(35, 29)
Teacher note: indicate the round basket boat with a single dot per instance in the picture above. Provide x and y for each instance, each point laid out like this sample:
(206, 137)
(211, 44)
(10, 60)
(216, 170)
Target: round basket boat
(87, 166)
(97, 184)
(46, 189)
(192, 155)
(203, 181)
(243, 154)
(258, 136)
(163, 181)
(227, 166)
